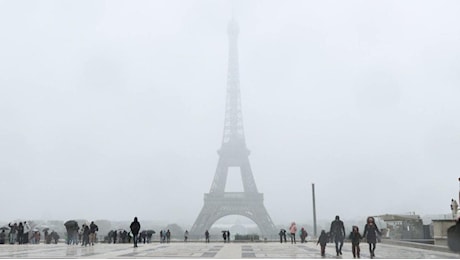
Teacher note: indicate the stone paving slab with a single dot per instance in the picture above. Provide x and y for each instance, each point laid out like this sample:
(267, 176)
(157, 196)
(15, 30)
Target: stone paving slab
(211, 250)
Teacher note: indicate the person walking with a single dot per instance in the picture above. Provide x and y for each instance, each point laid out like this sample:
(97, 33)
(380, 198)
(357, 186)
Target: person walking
(186, 236)
(322, 241)
(135, 227)
(281, 235)
(86, 233)
(303, 235)
(93, 228)
(206, 235)
(20, 233)
(338, 234)
(293, 230)
(168, 236)
(371, 232)
(355, 238)
(13, 232)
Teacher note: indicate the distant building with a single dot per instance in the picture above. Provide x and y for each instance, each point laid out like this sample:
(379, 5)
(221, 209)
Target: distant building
(403, 227)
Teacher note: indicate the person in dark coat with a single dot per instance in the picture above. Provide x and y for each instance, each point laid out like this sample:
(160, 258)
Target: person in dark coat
(338, 234)
(224, 235)
(2, 237)
(85, 239)
(114, 236)
(303, 235)
(93, 228)
(206, 235)
(371, 231)
(20, 233)
(322, 241)
(355, 238)
(135, 227)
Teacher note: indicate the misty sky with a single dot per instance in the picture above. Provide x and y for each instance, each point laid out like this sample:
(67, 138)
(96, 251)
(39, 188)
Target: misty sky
(111, 109)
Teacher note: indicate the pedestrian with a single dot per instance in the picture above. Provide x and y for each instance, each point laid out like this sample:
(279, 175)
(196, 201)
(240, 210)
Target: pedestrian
(338, 234)
(303, 235)
(355, 238)
(454, 208)
(168, 236)
(371, 232)
(322, 241)
(281, 235)
(135, 227)
(224, 236)
(21, 233)
(228, 236)
(114, 236)
(186, 236)
(93, 228)
(86, 232)
(2, 237)
(206, 235)
(293, 230)
(13, 232)
(54, 236)
(27, 229)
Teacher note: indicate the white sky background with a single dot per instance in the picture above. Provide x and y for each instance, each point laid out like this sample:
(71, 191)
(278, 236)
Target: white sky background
(110, 109)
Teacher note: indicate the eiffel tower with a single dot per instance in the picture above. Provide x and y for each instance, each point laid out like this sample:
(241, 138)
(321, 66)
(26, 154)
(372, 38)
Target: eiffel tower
(233, 153)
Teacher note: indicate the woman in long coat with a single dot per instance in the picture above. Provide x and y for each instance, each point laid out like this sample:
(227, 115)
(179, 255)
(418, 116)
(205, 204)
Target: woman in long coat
(370, 233)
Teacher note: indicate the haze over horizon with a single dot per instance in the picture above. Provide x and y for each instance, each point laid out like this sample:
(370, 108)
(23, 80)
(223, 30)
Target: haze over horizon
(115, 109)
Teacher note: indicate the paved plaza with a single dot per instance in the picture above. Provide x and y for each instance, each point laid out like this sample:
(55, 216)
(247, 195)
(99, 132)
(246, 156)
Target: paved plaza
(211, 250)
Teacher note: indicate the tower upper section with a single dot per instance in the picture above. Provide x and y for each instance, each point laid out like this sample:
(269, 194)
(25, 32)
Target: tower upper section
(233, 125)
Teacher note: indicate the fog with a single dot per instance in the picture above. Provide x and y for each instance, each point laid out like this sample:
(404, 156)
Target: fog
(115, 109)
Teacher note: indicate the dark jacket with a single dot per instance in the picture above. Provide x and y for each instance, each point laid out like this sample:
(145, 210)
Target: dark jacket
(135, 227)
(93, 228)
(323, 239)
(371, 232)
(355, 238)
(337, 229)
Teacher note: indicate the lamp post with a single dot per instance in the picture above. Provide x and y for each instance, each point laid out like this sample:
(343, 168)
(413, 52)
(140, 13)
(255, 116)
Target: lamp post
(314, 209)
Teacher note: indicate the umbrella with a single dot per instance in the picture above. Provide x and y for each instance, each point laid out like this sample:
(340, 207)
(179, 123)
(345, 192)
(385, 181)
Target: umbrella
(150, 232)
(45, 229)
(70, 223)
(4, 228)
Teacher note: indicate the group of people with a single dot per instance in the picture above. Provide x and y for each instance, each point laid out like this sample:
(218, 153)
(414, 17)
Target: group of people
(86, 235)
(123, 236)
(226, 235)
(21, 233)
(337, 235)
(292, 231)
(165, 236)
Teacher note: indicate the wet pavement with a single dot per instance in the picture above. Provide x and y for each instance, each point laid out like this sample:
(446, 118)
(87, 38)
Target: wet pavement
(211, 250)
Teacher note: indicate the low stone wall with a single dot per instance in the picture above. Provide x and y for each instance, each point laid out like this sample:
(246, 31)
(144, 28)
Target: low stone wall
(417, 245)
(440, 227)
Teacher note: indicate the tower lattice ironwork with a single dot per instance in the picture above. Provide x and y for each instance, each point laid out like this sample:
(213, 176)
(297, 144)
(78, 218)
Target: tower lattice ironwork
(233, 153)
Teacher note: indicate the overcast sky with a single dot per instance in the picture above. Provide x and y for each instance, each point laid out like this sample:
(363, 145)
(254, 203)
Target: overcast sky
(111, 109)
